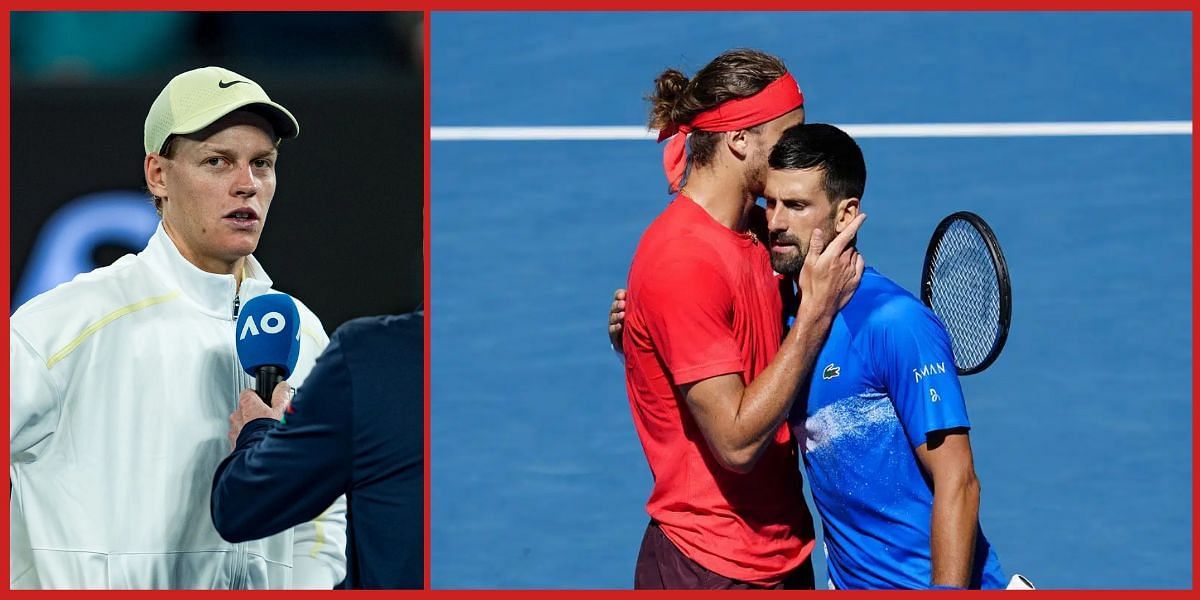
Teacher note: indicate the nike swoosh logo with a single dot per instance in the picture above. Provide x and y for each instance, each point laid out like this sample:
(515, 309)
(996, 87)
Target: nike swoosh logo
(222, 84)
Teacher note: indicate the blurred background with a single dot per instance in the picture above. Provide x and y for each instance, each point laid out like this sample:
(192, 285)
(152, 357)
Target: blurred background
(345, 228)
(1082, 428)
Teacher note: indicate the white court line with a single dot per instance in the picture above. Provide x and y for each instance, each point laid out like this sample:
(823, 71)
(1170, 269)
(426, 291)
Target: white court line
(890, 130)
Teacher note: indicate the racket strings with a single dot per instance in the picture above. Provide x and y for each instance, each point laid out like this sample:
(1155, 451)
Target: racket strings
(965, 293)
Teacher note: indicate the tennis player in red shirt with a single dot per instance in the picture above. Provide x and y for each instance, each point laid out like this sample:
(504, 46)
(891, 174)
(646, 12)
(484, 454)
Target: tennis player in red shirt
(709, 382)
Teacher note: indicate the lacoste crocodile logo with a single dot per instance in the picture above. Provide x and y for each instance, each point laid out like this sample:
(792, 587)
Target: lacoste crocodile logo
(831, 371)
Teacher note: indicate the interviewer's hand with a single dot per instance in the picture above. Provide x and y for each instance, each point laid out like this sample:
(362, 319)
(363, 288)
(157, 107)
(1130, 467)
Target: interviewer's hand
(250, 406)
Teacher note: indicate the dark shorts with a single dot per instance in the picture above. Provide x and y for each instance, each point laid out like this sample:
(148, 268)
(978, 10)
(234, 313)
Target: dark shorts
(661, 566)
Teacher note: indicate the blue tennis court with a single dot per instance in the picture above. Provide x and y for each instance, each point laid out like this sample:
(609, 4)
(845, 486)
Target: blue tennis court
(1082, 428)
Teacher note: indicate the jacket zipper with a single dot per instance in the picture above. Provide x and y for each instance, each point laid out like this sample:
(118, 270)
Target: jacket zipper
(240, 560)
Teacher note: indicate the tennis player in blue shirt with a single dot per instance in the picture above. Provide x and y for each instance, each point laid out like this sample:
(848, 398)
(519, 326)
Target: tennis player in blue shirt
(882, 424)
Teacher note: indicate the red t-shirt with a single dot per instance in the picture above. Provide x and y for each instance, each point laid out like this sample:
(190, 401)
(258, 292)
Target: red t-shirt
(703, 301)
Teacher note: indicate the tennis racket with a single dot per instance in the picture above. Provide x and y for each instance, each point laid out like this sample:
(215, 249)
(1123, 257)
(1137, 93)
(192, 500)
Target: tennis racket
(965, 282)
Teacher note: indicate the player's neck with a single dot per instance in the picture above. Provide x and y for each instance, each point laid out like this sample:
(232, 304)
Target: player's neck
(208, 264)
(722, 193)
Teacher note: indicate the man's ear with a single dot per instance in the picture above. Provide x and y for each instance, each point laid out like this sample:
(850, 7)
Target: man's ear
(844, 212)
(155, 168)
(738, 142)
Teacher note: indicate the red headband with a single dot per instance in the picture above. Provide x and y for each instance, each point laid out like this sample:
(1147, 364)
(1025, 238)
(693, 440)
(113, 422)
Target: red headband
(777, 99)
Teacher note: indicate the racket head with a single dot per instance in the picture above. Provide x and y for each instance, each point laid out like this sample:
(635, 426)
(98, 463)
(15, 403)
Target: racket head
(968, 229)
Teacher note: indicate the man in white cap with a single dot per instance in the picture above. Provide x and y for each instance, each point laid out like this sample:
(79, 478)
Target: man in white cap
(122, 379)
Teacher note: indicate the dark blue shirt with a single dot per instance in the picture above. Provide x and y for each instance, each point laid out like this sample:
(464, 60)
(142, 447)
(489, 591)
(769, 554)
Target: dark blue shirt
(355, 427)
(883, 382)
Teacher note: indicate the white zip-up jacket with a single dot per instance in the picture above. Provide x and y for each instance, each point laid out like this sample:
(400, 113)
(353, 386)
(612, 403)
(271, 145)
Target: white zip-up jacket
(122, 383)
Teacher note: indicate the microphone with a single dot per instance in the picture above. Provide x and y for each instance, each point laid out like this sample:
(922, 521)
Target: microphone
(268, 340)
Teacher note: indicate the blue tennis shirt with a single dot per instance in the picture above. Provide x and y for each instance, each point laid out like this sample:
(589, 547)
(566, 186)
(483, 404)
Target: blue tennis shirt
(883, 381)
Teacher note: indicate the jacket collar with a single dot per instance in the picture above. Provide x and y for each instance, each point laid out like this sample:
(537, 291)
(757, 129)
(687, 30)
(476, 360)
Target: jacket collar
(213, 293)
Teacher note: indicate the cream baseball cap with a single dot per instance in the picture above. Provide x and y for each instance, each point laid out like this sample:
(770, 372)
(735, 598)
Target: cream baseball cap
(196, 99)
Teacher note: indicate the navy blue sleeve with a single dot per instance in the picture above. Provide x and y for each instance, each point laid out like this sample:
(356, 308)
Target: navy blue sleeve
(283, 475)
(914, 359)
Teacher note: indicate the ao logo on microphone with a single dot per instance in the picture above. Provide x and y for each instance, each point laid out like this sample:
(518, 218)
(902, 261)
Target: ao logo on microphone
(270, 323)
(268, 333)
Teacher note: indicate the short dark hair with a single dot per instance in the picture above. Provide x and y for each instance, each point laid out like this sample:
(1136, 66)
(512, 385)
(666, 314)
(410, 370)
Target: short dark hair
(737, 73)
(823, 146)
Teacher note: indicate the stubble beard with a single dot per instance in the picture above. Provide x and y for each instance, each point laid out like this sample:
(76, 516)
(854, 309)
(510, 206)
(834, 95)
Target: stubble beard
(788, 264)
(791, 263)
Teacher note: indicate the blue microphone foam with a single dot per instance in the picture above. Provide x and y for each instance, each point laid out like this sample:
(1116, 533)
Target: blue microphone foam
(268, 333)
